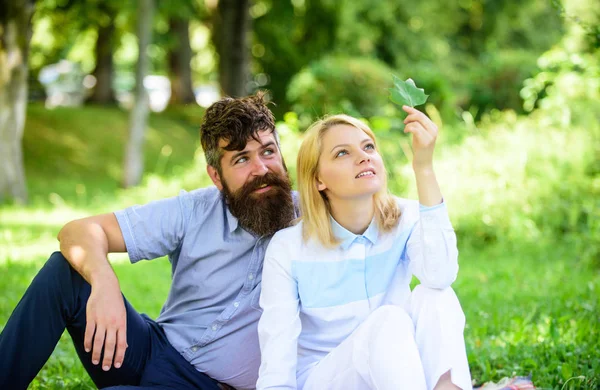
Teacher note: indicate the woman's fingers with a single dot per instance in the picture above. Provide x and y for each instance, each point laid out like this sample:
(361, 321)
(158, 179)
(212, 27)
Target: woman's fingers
(418, 131)
(415, 115)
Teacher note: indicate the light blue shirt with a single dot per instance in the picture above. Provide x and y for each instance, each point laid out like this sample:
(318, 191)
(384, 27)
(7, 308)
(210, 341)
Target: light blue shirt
(315, 297)
(212, 310)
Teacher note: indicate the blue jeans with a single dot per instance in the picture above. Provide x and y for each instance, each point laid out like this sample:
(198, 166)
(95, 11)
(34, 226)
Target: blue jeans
(57, 299)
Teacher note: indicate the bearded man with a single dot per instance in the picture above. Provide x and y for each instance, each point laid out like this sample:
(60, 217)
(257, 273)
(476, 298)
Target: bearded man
(206, 334)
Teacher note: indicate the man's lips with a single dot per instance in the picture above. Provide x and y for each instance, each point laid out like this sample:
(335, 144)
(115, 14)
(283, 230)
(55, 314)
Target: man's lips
(262, 188)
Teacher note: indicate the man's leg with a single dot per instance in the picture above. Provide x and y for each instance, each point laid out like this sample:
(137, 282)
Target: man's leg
(168, 369)
(55, 300)
(439, 325)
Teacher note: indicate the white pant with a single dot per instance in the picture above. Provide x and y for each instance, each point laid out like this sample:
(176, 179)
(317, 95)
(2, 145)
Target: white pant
(398, 348)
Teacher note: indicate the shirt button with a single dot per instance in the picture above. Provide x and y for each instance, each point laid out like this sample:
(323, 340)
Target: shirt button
(214, 327)
(251, 276)
(236, 304)
(194, 349)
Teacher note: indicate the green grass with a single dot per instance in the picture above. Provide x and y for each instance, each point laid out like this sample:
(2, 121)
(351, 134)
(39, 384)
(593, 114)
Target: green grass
(532, 305)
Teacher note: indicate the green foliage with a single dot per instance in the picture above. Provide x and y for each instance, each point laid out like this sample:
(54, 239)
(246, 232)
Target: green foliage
(355, 86)
(406, 93)
(288, 35)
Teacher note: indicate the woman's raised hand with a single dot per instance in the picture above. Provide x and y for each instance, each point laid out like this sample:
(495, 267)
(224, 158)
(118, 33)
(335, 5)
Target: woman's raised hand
(424, 133)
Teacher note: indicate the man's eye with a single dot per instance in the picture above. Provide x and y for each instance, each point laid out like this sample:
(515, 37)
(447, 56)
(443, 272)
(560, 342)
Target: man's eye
(268, 152)
(241, 160)
(341, 153)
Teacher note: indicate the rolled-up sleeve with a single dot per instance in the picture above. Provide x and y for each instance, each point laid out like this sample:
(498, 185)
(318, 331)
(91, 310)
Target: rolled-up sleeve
(155, 229)
(431, 248)
(279, 325)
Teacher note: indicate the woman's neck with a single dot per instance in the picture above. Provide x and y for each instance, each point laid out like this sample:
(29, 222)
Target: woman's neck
(353, 214)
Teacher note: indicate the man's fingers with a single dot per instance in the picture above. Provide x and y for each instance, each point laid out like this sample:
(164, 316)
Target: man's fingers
(109, 348)
(121, 346)
(90, 327)
(98, 343)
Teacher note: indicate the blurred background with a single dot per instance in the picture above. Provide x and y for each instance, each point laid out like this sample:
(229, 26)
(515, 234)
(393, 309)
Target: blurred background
(101, 101)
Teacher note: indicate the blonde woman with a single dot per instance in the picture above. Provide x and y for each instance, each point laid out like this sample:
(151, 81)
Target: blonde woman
(338, 312)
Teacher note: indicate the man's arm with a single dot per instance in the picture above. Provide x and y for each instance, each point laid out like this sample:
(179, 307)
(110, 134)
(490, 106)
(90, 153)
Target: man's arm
(85, 243)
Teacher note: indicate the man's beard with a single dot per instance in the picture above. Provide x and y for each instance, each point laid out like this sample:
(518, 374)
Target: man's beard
(265, 213)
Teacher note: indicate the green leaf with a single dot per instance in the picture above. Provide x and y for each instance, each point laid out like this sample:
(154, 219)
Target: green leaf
(406, 93)
(566, 371)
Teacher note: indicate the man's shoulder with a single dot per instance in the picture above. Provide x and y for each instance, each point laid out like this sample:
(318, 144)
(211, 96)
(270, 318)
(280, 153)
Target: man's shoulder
(206, 194)
(202, 198)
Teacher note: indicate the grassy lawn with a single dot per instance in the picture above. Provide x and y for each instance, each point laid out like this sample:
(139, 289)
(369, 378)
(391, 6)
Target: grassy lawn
(532, 307)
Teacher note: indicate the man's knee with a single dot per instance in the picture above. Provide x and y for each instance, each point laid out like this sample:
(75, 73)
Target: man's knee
(57, 270)
(58, 261)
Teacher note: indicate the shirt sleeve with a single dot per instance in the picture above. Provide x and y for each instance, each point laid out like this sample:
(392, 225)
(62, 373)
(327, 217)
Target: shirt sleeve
(431, 248)
(155, 229)
(279, 326)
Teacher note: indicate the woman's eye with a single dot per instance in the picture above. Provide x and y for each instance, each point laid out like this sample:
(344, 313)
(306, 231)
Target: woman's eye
(369, 147)
(341, 153)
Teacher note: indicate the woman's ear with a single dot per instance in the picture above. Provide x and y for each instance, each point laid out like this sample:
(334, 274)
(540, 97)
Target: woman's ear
(320, 185)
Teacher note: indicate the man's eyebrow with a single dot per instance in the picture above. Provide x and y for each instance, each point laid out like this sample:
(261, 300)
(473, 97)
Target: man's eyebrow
(346, 145)
(268, 145)
(238, 154)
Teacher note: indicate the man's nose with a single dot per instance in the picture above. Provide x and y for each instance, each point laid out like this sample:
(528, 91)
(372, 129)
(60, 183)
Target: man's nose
(259, 168)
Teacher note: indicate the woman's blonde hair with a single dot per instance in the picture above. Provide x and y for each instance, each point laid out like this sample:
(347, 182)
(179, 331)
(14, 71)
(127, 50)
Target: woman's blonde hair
(314, 205)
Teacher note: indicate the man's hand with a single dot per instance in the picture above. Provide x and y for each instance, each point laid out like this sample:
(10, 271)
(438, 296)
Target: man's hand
(106, 324)
(424, 133)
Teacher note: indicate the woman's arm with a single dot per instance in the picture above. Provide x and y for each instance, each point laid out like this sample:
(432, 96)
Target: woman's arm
(279, 325)
(432, 247)
(424, 133)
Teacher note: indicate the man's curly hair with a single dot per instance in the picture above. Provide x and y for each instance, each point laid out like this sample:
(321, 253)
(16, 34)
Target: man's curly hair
(235, 121)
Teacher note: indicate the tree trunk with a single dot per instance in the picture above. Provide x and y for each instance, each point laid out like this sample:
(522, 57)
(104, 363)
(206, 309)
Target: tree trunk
(232, 23)
(15, 34)
(134, 155)
(103, 72)
(180, 58)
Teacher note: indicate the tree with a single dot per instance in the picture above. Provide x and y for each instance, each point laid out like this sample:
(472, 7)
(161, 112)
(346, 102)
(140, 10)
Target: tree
(15, 34)
(134, 157)
(230, 35)
(104, 71)
(180, 57)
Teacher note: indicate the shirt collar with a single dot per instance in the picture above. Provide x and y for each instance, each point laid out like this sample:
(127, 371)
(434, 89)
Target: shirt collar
(347, 238)
(232, 221)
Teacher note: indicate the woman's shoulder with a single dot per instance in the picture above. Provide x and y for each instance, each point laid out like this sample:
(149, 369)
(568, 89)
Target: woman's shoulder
(289, 237)
(407, 205)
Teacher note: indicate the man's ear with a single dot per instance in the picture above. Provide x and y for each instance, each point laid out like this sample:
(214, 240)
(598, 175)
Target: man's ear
(214, 176)
(320, 185)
